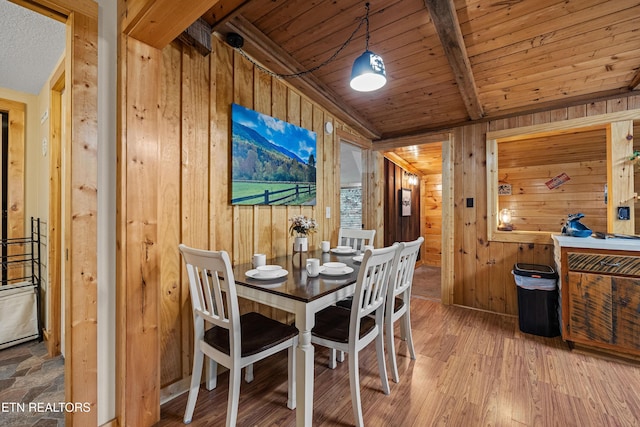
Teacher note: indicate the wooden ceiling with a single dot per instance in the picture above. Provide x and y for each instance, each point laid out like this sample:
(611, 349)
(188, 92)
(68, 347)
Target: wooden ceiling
(448, 62)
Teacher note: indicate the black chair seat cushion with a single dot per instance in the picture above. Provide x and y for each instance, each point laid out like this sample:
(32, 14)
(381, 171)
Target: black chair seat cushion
(258, 332)
(397, 304)
(332, 323)
(346, 303)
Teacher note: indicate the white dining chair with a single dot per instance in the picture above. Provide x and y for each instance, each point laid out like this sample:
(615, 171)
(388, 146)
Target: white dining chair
(398, 304)
(352, 330)
(355, 238)
(234, 341)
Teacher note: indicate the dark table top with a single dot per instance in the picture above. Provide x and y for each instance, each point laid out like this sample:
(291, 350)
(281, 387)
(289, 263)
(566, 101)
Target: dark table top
(297, 285)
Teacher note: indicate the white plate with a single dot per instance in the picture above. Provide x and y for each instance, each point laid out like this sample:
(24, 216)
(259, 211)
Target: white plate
(335, 271)
(358, 258)
(258, 275)
(343, 251)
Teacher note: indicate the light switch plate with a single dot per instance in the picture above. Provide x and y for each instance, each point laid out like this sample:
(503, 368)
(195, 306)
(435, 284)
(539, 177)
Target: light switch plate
(624, 213)
(328, 212)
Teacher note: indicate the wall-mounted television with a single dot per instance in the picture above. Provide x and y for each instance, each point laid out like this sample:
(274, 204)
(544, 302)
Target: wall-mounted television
(272, 162)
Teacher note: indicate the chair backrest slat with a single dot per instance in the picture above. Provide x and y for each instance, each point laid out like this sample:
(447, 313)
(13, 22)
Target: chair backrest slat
(403, 270)
(355, 238)
(212, 289)
(371, 287)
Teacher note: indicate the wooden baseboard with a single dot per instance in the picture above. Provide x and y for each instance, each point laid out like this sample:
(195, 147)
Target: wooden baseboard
(174, 390)
(113, 423)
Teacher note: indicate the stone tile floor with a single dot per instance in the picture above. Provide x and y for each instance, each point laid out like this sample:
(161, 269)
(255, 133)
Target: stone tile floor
(29, 380)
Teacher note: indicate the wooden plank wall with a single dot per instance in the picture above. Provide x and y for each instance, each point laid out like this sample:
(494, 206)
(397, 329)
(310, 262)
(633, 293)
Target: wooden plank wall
(398, 228)
(528, 164)
(431, 210)
(482, 269)
(16, 120)
(193, 188)
(636, 176)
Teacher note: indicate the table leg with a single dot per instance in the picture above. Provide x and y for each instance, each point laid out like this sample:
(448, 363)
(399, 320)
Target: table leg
(304, 370)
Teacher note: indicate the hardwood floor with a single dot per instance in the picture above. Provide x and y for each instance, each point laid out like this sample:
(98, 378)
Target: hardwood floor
(472, 369)
(427, 283)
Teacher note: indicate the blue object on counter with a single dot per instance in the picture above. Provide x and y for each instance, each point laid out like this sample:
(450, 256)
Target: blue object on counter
(574, 227)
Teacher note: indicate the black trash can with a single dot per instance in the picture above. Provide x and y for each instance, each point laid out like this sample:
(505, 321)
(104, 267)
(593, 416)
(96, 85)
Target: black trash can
(537, 299)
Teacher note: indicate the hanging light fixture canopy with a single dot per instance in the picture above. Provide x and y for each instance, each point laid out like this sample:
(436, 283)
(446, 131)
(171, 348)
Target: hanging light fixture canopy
(367, 74)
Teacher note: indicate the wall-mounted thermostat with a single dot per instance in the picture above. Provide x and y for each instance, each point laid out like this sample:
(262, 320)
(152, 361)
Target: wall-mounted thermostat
(328, 127)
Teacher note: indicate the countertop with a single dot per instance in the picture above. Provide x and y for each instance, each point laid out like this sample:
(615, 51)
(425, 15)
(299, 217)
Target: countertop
(613, 243)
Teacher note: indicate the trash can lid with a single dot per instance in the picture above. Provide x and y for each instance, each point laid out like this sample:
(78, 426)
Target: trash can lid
(535, 270)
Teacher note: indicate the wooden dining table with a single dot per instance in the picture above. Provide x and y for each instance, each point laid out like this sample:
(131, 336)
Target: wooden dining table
(303, 296)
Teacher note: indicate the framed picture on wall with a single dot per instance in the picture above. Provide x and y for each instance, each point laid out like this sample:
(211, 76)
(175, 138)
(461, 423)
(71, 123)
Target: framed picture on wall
(272, 162)
(405, 201)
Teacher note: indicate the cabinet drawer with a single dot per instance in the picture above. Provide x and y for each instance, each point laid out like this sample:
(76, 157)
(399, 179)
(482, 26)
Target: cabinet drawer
(620, 265)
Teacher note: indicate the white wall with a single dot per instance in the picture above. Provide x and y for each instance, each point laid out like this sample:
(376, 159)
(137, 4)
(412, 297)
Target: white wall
(107, 66)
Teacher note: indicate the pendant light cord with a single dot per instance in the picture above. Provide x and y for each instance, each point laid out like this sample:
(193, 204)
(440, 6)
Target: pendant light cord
(366, 18)
(317, 67)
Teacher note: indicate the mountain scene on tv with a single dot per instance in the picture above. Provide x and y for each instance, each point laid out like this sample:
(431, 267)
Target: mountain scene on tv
(272, 162)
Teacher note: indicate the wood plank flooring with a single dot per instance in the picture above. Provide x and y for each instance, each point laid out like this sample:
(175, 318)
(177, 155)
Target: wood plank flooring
(472, 369)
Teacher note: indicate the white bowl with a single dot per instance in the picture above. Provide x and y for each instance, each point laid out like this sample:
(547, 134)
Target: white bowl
(344, 248)
(334, 265)
(269, 270)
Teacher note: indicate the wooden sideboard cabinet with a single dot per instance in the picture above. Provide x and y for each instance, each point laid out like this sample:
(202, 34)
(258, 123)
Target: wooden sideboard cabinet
(600, 296)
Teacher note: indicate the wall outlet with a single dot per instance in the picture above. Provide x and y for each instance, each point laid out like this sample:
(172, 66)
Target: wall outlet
(327, 212)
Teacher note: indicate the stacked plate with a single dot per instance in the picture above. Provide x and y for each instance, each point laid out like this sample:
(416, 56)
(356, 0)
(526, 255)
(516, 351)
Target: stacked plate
(267, 272)
(335, 269)
(343, 250)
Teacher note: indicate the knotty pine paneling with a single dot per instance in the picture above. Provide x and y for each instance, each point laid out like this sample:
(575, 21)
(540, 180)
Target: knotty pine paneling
(15, 175)
(195, 96)
(174, 291)
(482, 269)
(431, 218)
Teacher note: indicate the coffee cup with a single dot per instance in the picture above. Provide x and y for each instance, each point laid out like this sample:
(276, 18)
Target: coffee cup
(325, 245)
(259, 260)
(313, 267)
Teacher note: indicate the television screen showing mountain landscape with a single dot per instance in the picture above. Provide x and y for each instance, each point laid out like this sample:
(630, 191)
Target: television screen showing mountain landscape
(273, 162)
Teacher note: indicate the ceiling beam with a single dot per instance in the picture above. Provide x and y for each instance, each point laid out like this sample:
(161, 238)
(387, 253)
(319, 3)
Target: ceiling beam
(158, 22)
(444, 17)
(220, 14)
(635, 82)
(406, 141)
(274, 58)
(198, 35)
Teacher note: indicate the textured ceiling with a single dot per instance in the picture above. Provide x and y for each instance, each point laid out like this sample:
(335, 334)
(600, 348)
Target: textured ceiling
(30, 47)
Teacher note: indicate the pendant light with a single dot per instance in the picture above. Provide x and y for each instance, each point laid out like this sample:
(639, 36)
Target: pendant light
(368, 72)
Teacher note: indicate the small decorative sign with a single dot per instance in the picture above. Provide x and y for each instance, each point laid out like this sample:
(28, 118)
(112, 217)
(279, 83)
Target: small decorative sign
(557, 181)
(504, 189)
(405, 201)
